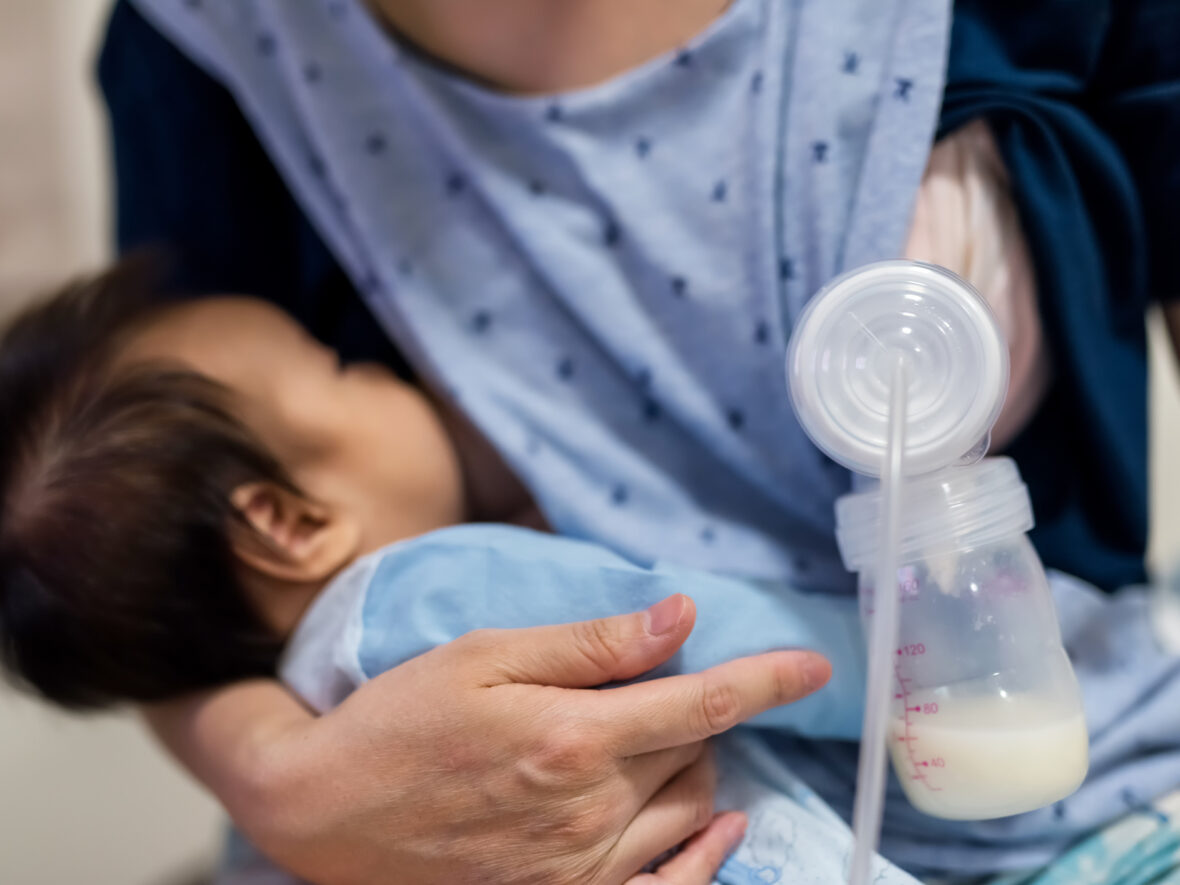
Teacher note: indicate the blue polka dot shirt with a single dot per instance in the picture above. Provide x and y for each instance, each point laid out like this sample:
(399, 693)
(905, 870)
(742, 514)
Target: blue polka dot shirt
(605, 280)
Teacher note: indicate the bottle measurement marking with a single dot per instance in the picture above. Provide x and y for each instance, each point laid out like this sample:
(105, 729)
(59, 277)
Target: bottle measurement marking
(919, 766)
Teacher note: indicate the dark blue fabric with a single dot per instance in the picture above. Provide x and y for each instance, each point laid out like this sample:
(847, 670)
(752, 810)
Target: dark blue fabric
(192, 179)
(1084, 99)
(1136, 99)
(1083, 96)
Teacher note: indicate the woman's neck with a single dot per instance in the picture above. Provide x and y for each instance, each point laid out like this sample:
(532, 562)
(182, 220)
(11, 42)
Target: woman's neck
(542, 46)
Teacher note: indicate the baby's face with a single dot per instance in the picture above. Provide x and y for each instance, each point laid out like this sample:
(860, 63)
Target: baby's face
(354, 438)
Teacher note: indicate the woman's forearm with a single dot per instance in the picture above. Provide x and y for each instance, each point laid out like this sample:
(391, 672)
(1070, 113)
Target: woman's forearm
(222, 737)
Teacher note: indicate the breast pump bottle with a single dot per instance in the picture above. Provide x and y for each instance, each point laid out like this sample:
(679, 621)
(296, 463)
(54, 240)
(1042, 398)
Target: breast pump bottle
(984, 715)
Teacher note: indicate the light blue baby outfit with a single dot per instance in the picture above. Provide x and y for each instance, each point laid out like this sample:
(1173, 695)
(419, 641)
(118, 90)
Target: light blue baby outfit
(406, 599)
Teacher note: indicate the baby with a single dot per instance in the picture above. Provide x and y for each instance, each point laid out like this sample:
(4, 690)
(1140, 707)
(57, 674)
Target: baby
(198, 492)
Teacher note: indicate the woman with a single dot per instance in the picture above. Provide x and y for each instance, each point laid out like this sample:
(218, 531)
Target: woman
(863, 100)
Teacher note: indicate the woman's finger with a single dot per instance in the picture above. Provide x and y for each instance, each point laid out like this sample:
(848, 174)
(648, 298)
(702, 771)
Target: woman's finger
(683, 807)
(588, 653)
(678, 710)
(701, 857)
(648, 774)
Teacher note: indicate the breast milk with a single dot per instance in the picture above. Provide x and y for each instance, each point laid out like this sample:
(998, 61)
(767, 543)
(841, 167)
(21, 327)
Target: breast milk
(971, 758)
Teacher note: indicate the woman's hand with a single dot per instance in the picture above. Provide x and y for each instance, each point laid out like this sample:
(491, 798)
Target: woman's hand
(483, 761)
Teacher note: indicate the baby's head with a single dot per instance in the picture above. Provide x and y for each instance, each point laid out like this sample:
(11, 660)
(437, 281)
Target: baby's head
(178, 481)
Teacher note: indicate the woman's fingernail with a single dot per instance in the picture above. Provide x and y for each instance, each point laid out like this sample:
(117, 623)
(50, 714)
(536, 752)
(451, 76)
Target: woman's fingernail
(664, 616)
(816, 671)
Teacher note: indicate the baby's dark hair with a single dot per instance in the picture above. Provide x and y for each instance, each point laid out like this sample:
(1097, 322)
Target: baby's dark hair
(117, 578)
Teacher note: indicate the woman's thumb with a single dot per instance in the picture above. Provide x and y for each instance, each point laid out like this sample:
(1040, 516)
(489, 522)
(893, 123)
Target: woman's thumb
(590, 653)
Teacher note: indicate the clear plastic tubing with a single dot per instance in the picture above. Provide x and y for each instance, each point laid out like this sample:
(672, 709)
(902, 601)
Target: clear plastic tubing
(870, 777)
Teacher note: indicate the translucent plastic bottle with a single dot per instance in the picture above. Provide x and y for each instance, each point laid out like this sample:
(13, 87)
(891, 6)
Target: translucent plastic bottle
(986, 716)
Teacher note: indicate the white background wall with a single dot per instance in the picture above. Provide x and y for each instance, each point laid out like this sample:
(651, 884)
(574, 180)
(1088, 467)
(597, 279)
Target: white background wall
(83, 801)
(1164, 555)
(53, 181)
(92, 800)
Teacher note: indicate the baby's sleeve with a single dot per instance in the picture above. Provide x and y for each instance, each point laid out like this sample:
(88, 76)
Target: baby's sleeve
(436, 588)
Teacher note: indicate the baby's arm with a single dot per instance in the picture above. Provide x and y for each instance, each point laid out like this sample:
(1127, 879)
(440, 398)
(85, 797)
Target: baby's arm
(431, 590)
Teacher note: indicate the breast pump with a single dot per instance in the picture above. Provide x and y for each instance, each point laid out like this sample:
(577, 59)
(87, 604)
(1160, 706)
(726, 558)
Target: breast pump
(898, 371)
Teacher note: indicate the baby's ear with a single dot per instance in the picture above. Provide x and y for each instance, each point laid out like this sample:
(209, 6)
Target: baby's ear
(283, 535)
